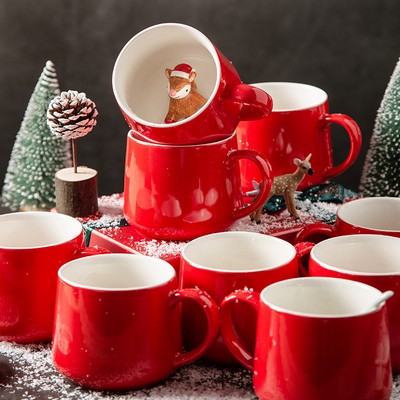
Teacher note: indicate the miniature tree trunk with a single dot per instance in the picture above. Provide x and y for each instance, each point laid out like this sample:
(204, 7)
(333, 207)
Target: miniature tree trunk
(76, 193)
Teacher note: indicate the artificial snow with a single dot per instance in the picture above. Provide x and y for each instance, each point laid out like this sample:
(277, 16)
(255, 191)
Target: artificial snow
(27, 373)
(30, 375)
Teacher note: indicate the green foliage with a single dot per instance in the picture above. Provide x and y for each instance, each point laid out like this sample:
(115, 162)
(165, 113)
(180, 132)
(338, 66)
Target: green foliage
(381, 174)
(37, 154)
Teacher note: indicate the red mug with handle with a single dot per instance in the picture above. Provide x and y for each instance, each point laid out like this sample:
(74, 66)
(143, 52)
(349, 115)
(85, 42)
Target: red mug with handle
(299, 124)
(118, 321)
(182, 192)
(33, 246)
(369, 215)
(368, 258)
(141, 87)
(317, 338)
(222, 262)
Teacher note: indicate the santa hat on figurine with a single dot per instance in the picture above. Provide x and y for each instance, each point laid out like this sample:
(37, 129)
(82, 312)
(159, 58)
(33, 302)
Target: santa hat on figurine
(183, 71)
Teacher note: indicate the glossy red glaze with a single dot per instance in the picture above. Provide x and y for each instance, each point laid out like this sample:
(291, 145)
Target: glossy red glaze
(182, 192)
(370, 215)
(220, 282)
(230, 101)
(28, 271)
(285, 135)
(111, 339)
(383, 282)
(299, 357)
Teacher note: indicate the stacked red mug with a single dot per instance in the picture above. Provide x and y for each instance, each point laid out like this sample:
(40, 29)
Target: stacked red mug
(182, 176)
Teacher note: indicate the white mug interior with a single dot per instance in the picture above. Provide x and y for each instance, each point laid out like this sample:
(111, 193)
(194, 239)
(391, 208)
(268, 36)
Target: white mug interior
(114, 272)
(291, 96)
(359, 254)
(23, 230)
(238, 251)
(378, 213)
(321, 297)
(139, 81)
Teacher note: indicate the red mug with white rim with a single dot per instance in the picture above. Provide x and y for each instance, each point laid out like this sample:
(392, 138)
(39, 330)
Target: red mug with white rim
(118, 321)
(182, 192)
(317, 338)
(373, 215)
(141, 87)
(371, 259)
(223, 262)
(33, 246)
(298, 125)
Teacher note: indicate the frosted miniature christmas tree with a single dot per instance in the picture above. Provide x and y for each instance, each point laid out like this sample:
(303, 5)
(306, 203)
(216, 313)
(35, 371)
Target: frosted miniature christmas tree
(381, 172)
(37, 154)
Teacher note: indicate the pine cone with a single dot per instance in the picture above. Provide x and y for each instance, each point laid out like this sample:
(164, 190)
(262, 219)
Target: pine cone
(71, 115)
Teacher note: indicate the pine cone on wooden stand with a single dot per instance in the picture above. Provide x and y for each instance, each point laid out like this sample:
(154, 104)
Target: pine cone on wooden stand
(72, 115)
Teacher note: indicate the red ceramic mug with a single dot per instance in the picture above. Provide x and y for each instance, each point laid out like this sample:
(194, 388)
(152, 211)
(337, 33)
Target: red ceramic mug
(375, 215)
(182, 192)
(141, 88)
(298, 125)
(317, 338)
(371, 259)
(222, 262)
(33, 246)
(118, 321)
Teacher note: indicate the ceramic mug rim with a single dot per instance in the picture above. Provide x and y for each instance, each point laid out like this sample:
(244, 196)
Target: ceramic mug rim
(320, 97)
(353, 240)
(133, 262)
(132, 136)
(205, 42)
(347, 219)
(289, 257)
(327, 281)
(75, 227)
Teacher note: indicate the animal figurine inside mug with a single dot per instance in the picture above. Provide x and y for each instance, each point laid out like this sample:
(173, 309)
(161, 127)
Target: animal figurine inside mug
(285, 185)
(184, 100)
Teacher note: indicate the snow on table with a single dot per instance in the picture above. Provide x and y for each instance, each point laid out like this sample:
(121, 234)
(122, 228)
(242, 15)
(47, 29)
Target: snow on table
(27, 373)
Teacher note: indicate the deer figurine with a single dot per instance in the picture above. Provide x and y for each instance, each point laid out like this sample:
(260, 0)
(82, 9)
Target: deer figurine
(286, 185)
(184, 100)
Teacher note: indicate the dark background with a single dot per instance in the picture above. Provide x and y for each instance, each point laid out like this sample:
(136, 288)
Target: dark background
(349, 48)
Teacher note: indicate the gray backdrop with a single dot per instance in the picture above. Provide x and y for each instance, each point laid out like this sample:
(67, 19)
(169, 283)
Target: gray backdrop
(347, 47)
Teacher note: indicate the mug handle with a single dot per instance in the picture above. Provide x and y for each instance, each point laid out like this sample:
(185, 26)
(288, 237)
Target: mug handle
(303, 249)
(232, 341)
(252, 101)
(266, 179)
(91, 251)
(210, 308)
(354, 133)
(318, 228)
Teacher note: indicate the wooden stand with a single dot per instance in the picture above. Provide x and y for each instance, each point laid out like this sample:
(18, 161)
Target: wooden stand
(76, 193)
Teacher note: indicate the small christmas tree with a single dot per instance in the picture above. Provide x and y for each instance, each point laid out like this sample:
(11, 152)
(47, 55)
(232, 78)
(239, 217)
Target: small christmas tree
(381, 172)
(37, 154)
